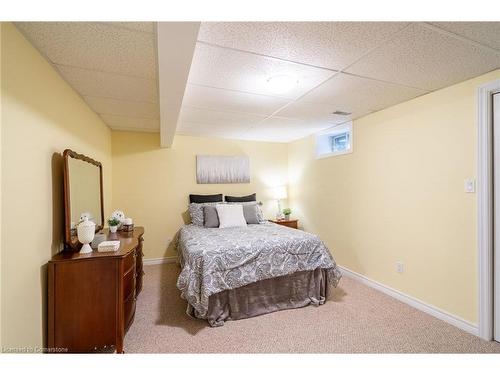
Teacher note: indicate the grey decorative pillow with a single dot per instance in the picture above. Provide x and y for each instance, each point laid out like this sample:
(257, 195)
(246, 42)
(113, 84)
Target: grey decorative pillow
(196, 212)
(260, 215)
(250, 213)
(211, 218)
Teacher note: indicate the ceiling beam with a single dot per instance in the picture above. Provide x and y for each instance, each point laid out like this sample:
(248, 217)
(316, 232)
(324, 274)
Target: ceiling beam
(176, 44)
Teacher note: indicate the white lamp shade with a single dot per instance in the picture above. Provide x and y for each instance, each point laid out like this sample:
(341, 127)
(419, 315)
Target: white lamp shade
(280, 192)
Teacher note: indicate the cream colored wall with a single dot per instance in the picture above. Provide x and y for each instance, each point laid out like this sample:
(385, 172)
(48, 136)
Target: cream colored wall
(41, 116)
(152, 185)
(0, 184)
(400, 197)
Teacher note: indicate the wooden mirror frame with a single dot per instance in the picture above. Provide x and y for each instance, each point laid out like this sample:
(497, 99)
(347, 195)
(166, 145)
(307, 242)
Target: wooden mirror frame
(72, 242)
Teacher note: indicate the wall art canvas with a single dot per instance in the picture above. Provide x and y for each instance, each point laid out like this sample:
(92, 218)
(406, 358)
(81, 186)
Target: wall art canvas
(212, 169)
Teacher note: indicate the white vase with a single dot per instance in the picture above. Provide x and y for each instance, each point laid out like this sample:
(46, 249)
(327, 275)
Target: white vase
(86, 232)
(112, 229)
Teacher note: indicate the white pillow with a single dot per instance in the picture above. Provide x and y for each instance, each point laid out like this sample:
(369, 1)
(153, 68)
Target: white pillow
(230, 215)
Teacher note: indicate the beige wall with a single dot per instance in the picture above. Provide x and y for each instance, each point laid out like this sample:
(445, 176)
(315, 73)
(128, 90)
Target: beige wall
(41, 116)
(400, 197)
(152, 185)
(0, 184)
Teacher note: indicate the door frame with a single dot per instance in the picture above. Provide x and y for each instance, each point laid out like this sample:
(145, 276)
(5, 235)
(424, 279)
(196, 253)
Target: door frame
(485, 207)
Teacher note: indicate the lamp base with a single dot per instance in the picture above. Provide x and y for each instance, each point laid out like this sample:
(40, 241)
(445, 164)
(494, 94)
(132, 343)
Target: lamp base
(279, 214)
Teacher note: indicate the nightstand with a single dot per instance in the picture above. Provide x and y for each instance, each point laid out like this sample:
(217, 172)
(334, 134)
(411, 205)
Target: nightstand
(287, 223)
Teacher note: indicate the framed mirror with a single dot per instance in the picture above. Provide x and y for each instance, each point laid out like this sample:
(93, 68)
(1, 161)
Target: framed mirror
(83, 194)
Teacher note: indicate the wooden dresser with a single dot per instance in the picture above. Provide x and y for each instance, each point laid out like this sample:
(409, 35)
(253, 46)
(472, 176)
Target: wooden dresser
(92, 297)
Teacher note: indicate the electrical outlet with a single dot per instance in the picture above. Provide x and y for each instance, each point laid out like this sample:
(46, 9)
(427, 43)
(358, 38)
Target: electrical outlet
(470, 185)
(400, 267)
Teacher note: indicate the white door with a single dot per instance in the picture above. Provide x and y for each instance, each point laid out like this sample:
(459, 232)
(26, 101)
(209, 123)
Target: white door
(496, 255)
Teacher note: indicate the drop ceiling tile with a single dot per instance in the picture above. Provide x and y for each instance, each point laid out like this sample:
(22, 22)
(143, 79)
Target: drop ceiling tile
(220, 118)
(94, 46)
(279, 129)
(146, 27)
(349, 93)
(487, 33)
(94, 83)
(131, 123)
(233, 70)
(210, 130)
(232, 101)
(427, 59)
(123, 107)
(319, 112)
(327, 44)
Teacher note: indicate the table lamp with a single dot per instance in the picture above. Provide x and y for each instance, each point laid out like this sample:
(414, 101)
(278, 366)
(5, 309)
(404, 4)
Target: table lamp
(279, 194)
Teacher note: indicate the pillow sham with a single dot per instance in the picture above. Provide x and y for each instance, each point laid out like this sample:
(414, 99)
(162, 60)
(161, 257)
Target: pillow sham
(196, 212)
(197, 198)
(246, 198)
(250, 213)
(211, 219)
(230, 215)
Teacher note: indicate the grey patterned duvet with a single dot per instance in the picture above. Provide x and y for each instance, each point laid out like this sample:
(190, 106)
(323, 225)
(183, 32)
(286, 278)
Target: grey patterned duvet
(215, 259)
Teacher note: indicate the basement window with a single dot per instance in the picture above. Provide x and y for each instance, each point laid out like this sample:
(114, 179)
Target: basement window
(334, 141)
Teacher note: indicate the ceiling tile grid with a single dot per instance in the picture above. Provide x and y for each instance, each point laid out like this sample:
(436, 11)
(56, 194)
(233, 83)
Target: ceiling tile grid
(425, 59)
(112, 65)
(240, 71)
(96, 46)
(331, 45)
(380, 64)
(486, 33)
(110, 85)
(365, 96)
(231, 101)
(280, 129)
(128, 108)
(209, 117)
(356, 67)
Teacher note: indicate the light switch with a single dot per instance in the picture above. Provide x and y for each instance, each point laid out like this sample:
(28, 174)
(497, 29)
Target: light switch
(470, 185)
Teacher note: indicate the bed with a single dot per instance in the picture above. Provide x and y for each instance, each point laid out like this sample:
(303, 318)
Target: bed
(241, 272)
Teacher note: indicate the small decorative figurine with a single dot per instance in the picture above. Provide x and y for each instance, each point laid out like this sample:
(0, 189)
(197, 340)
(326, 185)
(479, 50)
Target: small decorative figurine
(119, 215)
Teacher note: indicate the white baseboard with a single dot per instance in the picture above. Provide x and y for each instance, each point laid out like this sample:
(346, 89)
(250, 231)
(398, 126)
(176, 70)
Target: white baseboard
(153, 261)
(416, 303)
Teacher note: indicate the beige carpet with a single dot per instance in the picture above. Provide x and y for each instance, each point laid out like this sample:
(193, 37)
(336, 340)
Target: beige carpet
(356, 319)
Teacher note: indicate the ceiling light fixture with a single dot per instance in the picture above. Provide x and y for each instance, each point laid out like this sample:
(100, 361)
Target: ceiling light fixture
(281, 84)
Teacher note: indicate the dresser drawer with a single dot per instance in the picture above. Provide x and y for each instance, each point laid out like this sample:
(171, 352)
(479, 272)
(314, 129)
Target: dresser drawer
(129, 283)
(129, 312)
(129, 262)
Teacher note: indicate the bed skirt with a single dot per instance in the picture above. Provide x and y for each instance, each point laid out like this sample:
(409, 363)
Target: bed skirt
(262, 297)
